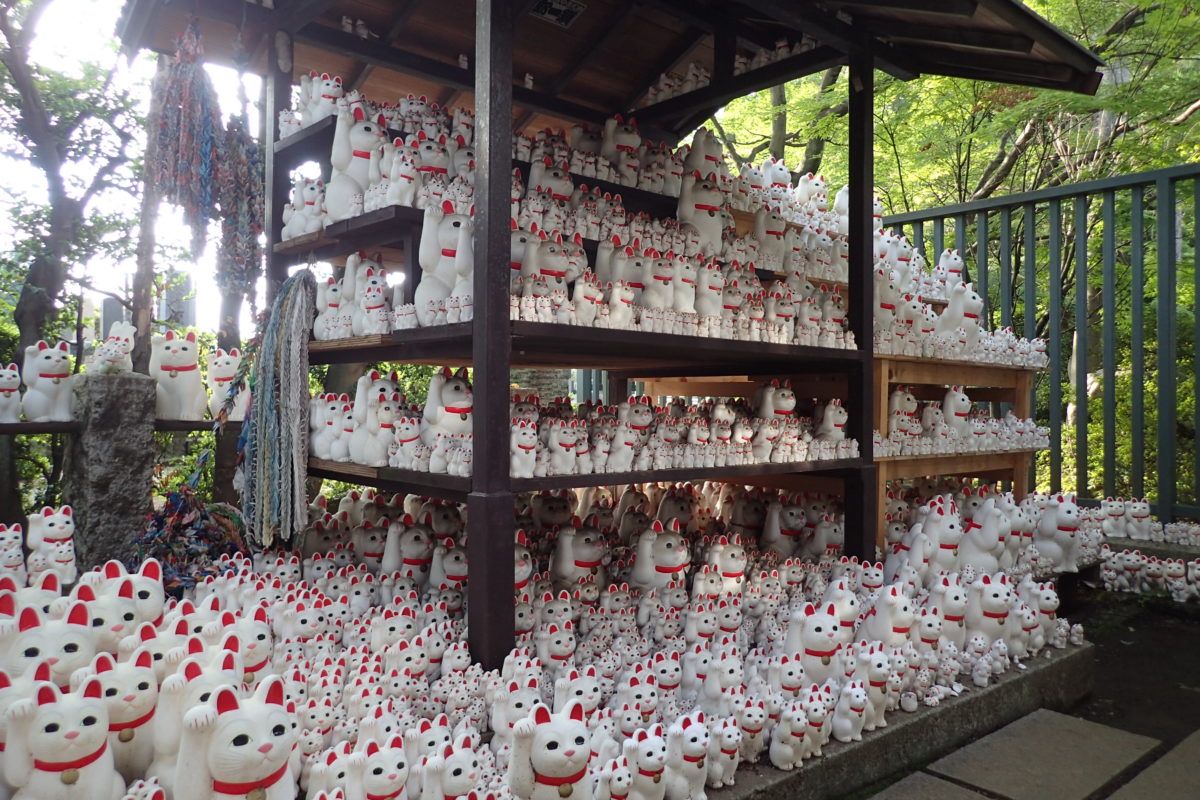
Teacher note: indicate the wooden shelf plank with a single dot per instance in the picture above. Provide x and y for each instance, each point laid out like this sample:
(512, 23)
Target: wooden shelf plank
(21, 428)
(313, 143)
(192, 425)
(892, 467)
(548, 345)
(633, 199)
(456, 488)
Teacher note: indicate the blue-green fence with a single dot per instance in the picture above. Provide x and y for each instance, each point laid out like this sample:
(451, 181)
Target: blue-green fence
(1109, 272)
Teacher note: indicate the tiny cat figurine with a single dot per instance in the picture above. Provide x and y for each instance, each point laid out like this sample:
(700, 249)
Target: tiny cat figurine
(51, 543)
(48, 382)
(57, 747)
(175, 366)
(550, 752)
(237, 748)
(10, 393)
(222, 368)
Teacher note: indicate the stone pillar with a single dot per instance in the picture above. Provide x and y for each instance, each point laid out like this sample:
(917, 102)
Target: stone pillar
(109, 464)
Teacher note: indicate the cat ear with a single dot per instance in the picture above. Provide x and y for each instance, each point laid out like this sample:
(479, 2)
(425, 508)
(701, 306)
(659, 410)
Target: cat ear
(47, 695)
(275, 690)
(28, 619)
(78, 615)
(143, 659)
(113, 569)
(575, 711)
(92, 689)
(541, 714)
(126, 590)
(103, 663)
(226, 700)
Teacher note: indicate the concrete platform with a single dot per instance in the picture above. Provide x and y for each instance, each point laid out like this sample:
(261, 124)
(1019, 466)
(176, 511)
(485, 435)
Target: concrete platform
(912, 740)
(1161, 549)
(1175, 775)
(921, 786)
(1046, 756)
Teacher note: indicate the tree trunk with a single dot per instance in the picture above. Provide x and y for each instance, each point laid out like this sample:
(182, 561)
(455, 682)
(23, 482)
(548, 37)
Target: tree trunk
(814, 151)
(779, 129)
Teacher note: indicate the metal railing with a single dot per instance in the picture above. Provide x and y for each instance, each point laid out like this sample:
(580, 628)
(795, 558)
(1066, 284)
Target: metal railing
(1108, 271)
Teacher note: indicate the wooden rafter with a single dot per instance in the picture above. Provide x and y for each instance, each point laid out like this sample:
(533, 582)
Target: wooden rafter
(404, 10)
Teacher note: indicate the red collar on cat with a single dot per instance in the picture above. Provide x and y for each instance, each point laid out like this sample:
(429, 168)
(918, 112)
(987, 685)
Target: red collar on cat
(136, 723)
(550, 781)
(391, 796)
(63, 766)
(186, 368)
(225, 787)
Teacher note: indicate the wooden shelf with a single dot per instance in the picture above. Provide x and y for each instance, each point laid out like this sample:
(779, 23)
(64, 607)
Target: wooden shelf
(446, 487)
(192, 425)
(548, 345)
(898, 467)
(22, 428)
(313, 143)
(383, 226)
(656, 204)
(455, 488)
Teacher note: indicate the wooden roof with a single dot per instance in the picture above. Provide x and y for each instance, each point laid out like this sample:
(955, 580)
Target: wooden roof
(606, 57)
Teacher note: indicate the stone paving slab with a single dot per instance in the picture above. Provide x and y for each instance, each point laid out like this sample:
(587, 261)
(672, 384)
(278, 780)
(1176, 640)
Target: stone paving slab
(920, 786)
(1175, 775)
(1045, 756)
(910, 740)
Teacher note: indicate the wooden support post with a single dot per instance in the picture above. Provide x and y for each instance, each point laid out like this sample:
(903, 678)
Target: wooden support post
(278, 97)
(862, 517)
(490, 542)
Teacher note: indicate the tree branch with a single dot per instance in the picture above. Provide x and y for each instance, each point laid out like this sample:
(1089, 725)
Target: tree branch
(1019, 146)
(1187, 113)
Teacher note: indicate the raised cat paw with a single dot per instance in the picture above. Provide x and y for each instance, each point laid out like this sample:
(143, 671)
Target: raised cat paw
(524, 727)
(22, 709)
(200, 718)
(357, 761)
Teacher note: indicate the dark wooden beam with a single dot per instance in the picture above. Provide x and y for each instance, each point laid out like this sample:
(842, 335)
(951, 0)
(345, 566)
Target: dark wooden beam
(861, 515)
(958, 38)
(718, 93)
(298, 13)
(830, 30)
(1043, 32)
(490, 541)
(689, 41)
(950, 8)
(711, 20)
(404, 10)
(1037, 73)
(388, 57)
(568, 73)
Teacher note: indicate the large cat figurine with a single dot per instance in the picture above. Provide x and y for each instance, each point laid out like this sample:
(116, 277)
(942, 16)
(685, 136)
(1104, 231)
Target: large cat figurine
(222, 369)
(237, 748)
(48, 382)
(67, 643)
(57, 746)
(131, 695)
(550, 752)
(174, 364)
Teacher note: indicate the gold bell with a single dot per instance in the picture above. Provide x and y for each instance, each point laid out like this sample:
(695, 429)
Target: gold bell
(173, 374)
(126, 735)
(657, 777)
(257, 794)
(565, 789)
(825, 660)
(69, 776)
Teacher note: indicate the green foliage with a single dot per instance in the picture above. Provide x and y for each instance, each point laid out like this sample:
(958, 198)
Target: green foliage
(945, 140)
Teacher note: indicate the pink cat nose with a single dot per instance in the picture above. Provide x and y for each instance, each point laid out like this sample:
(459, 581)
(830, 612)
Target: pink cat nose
(265, 748)
(393, 776)
(569, 753)
(52, 661)
(72, 734)
(129, 698)
(118, 628)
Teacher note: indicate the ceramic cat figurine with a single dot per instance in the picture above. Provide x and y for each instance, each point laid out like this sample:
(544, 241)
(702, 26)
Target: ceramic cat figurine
(57, 747)
(222, 368)
(174, 363)
(130, 708)
(10, 393)
(67, 643)
(48, 382)
(550, 751)
(687, 752)
(51, 542)
(233, 747)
